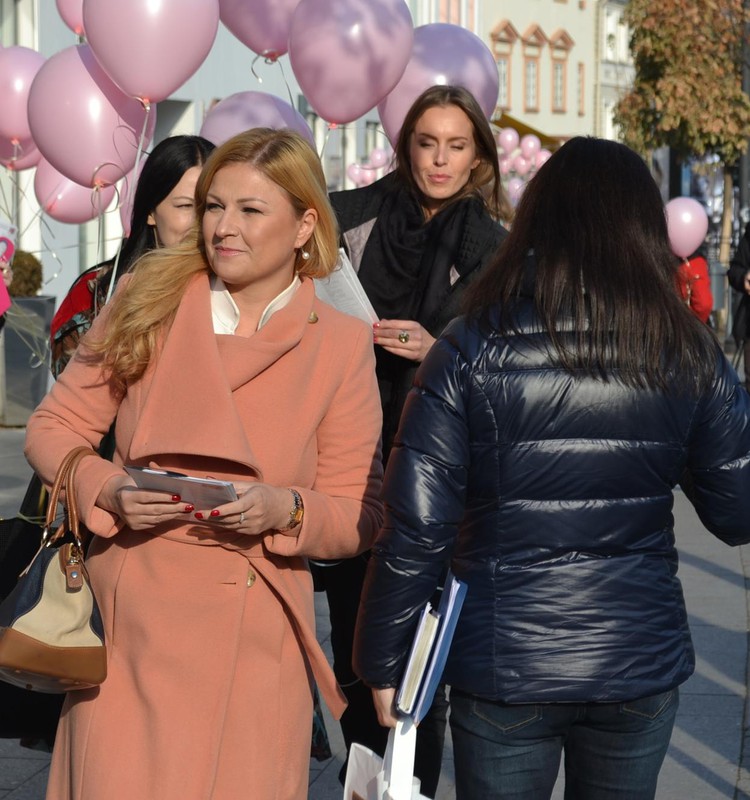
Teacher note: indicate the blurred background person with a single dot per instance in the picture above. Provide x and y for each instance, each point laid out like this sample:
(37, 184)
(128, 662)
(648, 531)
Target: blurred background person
(739, 279)
(163, 214)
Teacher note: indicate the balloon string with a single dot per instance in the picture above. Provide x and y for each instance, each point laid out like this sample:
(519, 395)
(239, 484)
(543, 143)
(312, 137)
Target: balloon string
(97, 201)
(332, 126)
(131, 192)
(286, 83)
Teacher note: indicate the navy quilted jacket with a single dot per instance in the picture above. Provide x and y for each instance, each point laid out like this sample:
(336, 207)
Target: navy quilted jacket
(552, 497)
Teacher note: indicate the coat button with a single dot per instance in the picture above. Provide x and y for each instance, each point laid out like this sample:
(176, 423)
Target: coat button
(313, 318)
(250, 577)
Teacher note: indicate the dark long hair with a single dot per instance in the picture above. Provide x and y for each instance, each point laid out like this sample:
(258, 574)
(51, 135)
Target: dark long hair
(485, 179)
(594, 221)
(161, 172)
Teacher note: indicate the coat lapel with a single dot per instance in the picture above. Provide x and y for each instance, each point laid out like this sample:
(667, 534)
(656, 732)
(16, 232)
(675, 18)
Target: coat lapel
(189, 380)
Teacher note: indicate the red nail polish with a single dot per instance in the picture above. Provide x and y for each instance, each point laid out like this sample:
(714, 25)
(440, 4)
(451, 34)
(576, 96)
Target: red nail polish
(199, 515)
(188, 508)
(375, 324)
(214, 513)
(176, 498)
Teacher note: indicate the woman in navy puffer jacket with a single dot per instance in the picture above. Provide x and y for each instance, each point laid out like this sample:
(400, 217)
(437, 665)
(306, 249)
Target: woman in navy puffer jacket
(538, 452)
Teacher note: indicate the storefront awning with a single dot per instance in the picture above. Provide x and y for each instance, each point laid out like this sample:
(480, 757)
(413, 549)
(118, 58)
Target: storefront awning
(505, 120)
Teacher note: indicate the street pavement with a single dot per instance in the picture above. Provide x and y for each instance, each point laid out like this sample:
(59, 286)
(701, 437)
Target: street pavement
(709, 754)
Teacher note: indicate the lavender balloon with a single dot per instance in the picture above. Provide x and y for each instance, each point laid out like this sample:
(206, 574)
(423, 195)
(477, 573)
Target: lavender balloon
(244, 110)
(261, 25)
(348, 54)
(442, 54)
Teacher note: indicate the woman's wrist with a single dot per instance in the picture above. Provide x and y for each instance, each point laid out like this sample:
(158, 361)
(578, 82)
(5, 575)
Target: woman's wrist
(295, 512)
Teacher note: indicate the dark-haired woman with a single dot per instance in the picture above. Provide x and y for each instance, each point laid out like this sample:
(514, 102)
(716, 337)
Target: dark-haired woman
(418, 238)
(538, 454)
(163, 214)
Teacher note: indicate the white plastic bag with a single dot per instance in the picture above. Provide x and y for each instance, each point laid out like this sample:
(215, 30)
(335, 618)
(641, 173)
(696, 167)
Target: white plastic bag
(370, 777)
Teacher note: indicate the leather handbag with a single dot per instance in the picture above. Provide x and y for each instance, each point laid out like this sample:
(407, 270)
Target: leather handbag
(51, 632)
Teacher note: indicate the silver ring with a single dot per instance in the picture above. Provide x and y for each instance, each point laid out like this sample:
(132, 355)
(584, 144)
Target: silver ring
(242, 517)
(403, 337)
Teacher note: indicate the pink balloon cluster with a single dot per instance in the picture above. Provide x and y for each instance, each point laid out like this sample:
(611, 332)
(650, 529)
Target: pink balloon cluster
(687, 225)
(521, 156)
(367, 173)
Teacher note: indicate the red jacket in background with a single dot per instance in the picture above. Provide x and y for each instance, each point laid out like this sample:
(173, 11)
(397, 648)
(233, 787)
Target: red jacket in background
(695, 286)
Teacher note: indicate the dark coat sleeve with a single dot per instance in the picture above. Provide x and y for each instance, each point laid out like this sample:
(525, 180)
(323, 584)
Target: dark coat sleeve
(424, 495)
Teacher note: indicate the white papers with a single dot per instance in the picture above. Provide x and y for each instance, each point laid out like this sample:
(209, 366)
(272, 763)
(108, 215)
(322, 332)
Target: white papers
(439, 646)
(343, 291)
(203, 493)
(416, 664)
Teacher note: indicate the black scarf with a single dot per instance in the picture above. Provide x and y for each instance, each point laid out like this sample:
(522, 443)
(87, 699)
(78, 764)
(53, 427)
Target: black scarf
(406, 263)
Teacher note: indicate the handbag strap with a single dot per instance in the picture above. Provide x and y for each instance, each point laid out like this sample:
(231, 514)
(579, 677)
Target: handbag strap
(398, 762)
(64, 479)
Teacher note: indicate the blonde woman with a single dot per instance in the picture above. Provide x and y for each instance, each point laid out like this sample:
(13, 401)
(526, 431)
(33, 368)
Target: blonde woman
(217, 360)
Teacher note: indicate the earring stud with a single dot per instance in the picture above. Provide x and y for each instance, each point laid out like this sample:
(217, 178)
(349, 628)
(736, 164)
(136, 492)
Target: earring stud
(305, 255)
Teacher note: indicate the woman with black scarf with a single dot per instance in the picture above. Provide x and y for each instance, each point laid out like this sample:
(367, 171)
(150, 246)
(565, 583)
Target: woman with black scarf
(418, 238)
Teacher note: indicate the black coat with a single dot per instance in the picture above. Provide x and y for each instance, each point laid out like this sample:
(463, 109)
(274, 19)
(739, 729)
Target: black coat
(738, 268)
(551, 495)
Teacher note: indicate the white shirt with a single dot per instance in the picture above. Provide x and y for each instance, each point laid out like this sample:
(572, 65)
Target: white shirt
(226, 315)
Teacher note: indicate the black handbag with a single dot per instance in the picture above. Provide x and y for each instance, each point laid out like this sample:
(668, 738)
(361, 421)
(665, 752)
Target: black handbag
(25, 715)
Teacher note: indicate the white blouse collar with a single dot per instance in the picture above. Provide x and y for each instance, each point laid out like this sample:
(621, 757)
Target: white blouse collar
(226, 315)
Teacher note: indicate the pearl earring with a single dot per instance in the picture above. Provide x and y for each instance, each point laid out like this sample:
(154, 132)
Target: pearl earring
(305, 255)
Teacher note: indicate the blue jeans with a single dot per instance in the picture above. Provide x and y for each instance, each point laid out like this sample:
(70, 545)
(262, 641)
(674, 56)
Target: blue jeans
(613, 751)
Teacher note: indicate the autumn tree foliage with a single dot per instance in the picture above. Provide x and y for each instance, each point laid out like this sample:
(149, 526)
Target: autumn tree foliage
(687, 92)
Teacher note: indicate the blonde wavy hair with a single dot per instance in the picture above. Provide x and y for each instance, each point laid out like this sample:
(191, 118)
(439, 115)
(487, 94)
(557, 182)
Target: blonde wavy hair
(146, 306)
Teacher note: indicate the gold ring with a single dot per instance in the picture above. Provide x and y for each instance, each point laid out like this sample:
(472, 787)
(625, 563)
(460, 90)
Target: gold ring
(403, 337)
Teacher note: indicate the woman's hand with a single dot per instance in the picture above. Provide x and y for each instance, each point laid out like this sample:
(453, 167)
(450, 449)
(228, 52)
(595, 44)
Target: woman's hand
(403, 337)
(140, 509)
(260, 508)
(384, 701)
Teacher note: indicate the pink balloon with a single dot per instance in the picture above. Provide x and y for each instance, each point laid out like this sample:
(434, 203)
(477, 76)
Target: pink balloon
(67, 201)
(378, 157)
(505, 163)
(521, 164)
(347, 56)
(541, 158)
(82, 123)
(530, 145)
(508, 140)
(18, 68)
(149, 48)
(515, 190)
(245, 110)
(367, 175)
(442, 54)
(71, 12)
(261, 25)
(687, 225)
(354, 171)
(18, 156)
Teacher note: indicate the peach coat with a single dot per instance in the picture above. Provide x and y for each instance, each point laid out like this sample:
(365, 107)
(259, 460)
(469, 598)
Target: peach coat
(210, 635)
